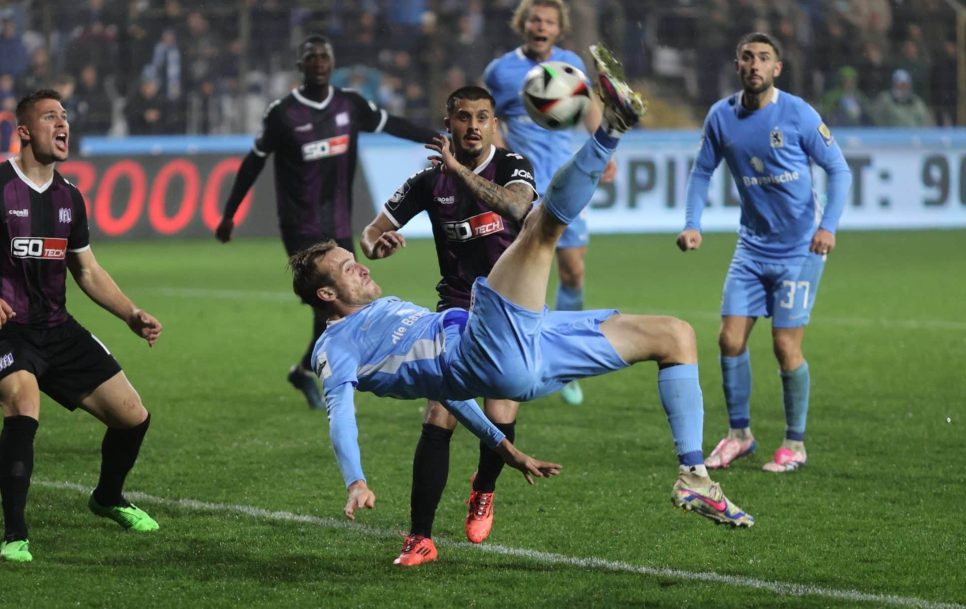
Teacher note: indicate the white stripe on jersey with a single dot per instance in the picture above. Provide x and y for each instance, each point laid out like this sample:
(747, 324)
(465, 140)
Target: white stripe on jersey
(421, 349)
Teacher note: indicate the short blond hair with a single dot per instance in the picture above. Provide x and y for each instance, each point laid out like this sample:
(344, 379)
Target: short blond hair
(523, 11)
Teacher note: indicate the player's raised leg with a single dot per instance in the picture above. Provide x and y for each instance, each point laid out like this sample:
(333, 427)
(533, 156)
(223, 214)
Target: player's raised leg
(522, 272)
(671, 343)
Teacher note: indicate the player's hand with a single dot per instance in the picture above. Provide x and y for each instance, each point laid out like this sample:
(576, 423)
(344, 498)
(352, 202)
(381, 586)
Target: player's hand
(145, 325)
(6, 312)
(223, 230)
(525, 463)
(610, 172)
(387, 244)
(689, 239)
(823, 242)
(359, 497)
(444, 149)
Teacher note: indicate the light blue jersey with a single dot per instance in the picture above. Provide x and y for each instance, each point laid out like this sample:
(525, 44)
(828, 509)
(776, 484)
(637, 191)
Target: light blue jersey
(768, 152)
(547, 150)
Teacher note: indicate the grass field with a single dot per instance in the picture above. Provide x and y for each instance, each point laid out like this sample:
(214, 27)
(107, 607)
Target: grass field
(242, 479)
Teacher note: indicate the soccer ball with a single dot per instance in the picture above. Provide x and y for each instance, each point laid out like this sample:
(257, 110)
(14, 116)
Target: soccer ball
(556, 95)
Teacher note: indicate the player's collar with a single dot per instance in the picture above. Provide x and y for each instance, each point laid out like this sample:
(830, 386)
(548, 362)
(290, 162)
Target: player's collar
(28, 181)
(313, 104)
(524, 56)
(740, 106)
(489, 157)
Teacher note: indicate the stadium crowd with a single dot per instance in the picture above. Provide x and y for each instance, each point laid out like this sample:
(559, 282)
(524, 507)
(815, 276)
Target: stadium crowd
(143, 67)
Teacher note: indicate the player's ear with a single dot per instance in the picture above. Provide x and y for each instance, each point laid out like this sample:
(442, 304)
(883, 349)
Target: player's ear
(23, 133)
(326, 294)
(778, 69)
(446, 124)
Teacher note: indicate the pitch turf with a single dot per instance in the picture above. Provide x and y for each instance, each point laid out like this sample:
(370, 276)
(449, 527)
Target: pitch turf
(240, 475)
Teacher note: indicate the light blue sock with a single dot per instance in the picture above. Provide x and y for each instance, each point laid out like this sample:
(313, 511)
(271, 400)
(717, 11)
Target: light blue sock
(575, 182)
(736, 379)
(570, 299)
(681, 397)
(795, 385)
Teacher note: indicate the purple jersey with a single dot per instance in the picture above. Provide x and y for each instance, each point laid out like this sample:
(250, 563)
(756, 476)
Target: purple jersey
(469, 235)
(315, 146)
(40, 225)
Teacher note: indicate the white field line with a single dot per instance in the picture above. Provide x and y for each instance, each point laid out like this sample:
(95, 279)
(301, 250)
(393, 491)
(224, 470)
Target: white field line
(284, 296)
(589, 563)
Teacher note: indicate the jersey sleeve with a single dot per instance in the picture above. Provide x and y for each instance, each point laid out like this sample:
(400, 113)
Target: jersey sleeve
(80, 233)
(709, 156)
(268, 138)
(821, 147)
(369, 117)
(410, 199)
(469, 414)
(515, 169)
(336, 368)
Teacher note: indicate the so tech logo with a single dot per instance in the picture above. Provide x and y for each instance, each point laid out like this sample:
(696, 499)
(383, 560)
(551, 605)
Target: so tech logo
(43, 248)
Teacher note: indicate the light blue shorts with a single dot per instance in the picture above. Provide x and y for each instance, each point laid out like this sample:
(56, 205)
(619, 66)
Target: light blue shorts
(506, 351)
(784, 291)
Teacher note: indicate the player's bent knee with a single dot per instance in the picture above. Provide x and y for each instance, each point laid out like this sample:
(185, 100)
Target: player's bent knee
(436, 414)
(684, 340)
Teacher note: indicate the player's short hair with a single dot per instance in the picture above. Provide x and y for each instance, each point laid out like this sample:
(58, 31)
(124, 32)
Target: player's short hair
(312, 39)
(762, 38)
(26, 104)
(469, 93)
(306, 276)
(519, 19)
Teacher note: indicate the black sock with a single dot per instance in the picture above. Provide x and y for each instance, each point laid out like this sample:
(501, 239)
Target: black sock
(318, 326)
(16, 465)
(430, 470)
(491, 464)
(119, 451)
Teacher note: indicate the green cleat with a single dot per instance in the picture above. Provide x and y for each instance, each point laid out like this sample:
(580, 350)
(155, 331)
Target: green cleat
(16, 551)
(622, 106)
(132, 518)
(572, 394)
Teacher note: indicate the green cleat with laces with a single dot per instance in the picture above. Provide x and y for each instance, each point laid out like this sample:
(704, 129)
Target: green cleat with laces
(16, 551)
(130, 517)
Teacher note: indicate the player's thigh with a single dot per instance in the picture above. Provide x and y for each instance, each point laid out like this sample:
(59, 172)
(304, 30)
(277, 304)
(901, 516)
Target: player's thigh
(522, 272)
(116, 403)
(745, 292)
(795, 290)
(501, 411)
(660, 338)
(436, 414)
(20, 395)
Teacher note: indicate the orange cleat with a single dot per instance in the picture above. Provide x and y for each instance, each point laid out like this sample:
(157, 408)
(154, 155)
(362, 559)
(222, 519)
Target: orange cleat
(479, 518)
(417, 550)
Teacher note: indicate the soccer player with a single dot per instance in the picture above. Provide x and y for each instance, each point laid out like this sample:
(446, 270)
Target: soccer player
(476, 204)
(507, 345)
(768, 137)
(540, 23)
(313, 132)
(42, 348)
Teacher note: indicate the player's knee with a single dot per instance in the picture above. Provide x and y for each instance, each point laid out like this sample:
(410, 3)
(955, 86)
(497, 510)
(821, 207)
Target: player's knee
(684, 342)
(436, 414)
(731, 343)
(572, 274)
(788, 350)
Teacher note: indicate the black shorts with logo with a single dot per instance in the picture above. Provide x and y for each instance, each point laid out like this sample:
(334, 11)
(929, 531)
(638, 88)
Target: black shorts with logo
(68, 361)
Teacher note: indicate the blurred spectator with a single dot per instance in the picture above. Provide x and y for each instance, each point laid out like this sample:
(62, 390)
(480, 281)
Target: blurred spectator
(944, 96)
(94, 105)
(167, 69)
(145, 109)
(38, 74)
(13, 54)
(96, 44)
(9, 140)
(466, 47)
(846, 105)
(911, 57)
(873, 70)
(364, 80)
(900, 106)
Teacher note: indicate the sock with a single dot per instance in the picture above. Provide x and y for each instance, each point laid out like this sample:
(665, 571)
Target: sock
(736, 378)
(684, 406)
(569, 299)
(16, 466)
(491, 464)
(430, 470)
(694, 470)
(574, 183)
(318, 326)
(119, 451)
(607, 135)
(795, 385)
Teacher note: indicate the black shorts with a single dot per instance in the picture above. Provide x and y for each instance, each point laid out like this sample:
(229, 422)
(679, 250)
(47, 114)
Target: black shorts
(68, 361)
(295, 243)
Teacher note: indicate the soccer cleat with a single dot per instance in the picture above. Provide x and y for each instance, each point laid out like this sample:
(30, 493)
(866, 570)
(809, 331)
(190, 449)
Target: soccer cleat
(786, 460)
(623, 107)
(417, 550)
(479, 517)
(304, 381)
(16, 551)
(728, 450)
(709, 501)
(132, 518)
(572, 394)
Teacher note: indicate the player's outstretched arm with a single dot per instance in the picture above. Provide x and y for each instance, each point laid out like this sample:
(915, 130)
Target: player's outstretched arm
(247, 174)
(380, 239)
(100, 287)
